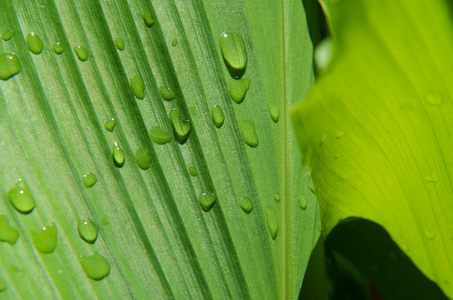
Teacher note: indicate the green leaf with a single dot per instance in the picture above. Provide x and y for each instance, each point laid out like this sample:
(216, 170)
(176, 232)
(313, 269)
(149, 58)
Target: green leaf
(63, 114)
(376, 129)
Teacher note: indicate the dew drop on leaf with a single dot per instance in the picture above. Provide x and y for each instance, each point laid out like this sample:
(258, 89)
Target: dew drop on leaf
(193, 171)
(207, 201)
(88, 231)
(339, 135)
(7, 34)
(234, 53)
(248, 133)
(9, 65)
(21, 197)
(95, 266)
(148, 19)
(89, 179)
(81, 52)
(104, 222)
(181, 127)
(303, 202)
(246, 204)
(277, 197)
(274, 111)
(58, 48)
(118, 155)
(45, 240)
(7, 233)
(143, 158)
(34, 43)
(272, 221)
(110, 124)
(174, 42)
(166, 93)
(138, 86)
(434, 99)
(159, 136)
(119, 43)
(2, 285)
(217, 116)
(239, 88)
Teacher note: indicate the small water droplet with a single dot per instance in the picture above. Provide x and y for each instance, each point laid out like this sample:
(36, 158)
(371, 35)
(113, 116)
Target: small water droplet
(312, 189)
(110, 124)
(429, 234)
(6, 35)
(434, 99)
(322, 54)
(239, 88)
(2, 285)
(34, 43)
(9, 65)
(207, 201)
(303, 202)
(432, 177)
(339, 135)
(274, 111)
(217, 116)
(277, 197)
(7, 233)
(174, 42)
(45, 240)
(118, 155)
(166, 93)
(272, 221)
(159, 136)
(138, 86)
(193, 171)
(143, 158)
(104, 222)
(248, 133)
(337, 156)
(95, 266)
(88, 231)
(322, 141)
(148, 19)
(16, 269)
(81, 52)
(58, 48)
(181, 127)
(246, 204)
(21, 197)
(119, 43)
(89, 179)
(234, 53)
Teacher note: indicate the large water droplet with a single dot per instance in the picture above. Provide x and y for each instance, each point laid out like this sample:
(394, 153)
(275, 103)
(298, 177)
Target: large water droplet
(2, 285)
(174, 42)
(45, 240)
(9, 65)
(217, 116)
(110, 124)
(246, 204)
(167, 93)
(96, 266)
(34, 43)
(303, 202)
(239, 88)
(119, 43)
(81, 52)
(323, 54)
(434, 99)
(7, 233)
(58, 48)
(118, 155)
(159, 136)
(148, 19)
(207, 201)
(89, 179)
(193, 171)
(274, 111)
(21, 197)
(6, 35)
(88, 231)
(277, 197)
(138, 86)
(248, 133)
(234, 53)
(181, 127)
(143, 158)
(272, 221)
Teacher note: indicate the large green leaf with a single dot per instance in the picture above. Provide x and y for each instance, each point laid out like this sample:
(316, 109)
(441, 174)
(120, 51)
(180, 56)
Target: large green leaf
(376, 131)
(155, 235)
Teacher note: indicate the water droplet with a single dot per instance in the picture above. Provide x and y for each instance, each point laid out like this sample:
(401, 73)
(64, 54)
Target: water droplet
(432, 177)
(6, 35)
(277, 197)
(181, 127)
(34, 43)
(7, 233)
(81, 52)
(323, 54)
(138, 86)
(110, 124)
(193, 171)
(337, 156)
(9, 65)
(89, 179)
(2, 285)
(322, 141)
(312, 189)
(45, 240)
(143, 158)
(148, 19)
(274, 111)
(246, 205)
(21, 197)
(429, 234)
(272, 221)
(239, 88)
(58, 48)
(167, 93)
(118, 155)
(234, 53)
(159, 136)
(119, 43)
(95, 266)
(174, 42)
(434, 99)
(339, 134)
(207, 201)
(248, 133)
(16, 269)
(88, 231)
(303, 203)
(217, 116)
(104, 222)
